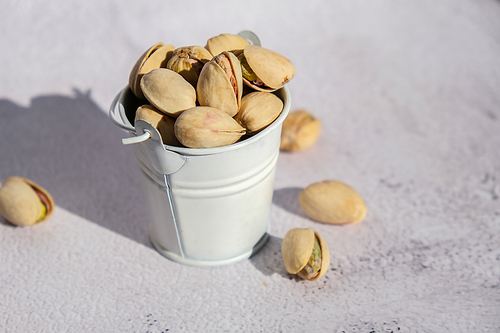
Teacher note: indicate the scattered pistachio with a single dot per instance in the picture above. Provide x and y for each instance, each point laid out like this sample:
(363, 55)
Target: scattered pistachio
(300, 131)
(305, 253)
(23, 202)
(332, 202)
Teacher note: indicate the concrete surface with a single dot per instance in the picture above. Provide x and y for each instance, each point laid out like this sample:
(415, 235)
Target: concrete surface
(409, 96)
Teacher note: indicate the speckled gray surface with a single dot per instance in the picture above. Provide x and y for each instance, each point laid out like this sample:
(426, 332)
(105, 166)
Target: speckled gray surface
(409, 96)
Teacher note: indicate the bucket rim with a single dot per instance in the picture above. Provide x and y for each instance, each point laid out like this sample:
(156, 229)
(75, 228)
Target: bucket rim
(119, 118)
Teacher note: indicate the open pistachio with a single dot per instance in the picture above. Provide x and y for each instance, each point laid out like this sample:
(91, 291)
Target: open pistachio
(163, 123)
(258, 110)
(226, 42)
(332, 201)
(305, 253)
(300, 131)
(207, 127)
(188, 62)
(265, 70)
(23, 202)
(220, 83)
(168, 91)
(156, 56)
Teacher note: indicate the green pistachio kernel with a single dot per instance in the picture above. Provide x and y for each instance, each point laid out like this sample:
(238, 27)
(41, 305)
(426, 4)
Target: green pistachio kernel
(313, 266)
(245, 69)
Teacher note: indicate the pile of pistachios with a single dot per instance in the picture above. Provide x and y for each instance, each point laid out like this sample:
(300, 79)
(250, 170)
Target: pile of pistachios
(212, 96)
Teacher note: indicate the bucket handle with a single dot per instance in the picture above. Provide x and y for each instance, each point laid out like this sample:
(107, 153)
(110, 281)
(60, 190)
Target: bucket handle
(164, 161)
(137, 139)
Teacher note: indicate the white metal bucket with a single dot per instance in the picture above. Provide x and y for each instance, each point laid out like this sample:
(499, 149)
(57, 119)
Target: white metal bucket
(207, 206)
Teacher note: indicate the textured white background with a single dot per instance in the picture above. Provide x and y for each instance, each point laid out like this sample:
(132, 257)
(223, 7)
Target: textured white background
(409, 96)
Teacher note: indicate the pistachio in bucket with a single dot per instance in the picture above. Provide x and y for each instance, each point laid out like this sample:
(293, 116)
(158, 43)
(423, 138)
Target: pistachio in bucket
(157, 56)
(226, 42)
(213, 76)
(23, 202)
(207, 127)
(305, 253)
(265, 70)
(188, 62)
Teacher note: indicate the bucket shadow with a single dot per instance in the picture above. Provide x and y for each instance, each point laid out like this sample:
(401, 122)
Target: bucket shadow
(269, 259)
(69, 146)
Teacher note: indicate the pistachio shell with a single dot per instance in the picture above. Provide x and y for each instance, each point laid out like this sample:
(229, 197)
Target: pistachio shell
(188, 62)
(297, 247)
(207, 127)
(163, 123)
(271, 68)
(220, 83)
(23, 202)
(332, 202)
(258, 110)
(226, 42)
(156, 56)
(168, 91)
(300, 131)
(325, 258)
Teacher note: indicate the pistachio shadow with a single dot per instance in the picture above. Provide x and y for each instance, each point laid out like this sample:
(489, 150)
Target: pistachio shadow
(288, 199)
(69, 146)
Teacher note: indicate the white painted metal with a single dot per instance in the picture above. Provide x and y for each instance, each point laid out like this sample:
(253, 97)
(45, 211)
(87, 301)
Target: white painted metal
(207, 206)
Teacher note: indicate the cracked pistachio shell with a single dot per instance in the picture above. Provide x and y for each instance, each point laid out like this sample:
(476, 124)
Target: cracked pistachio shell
(272, 69)
(332, 202)
(155, 57)
(220, 83)
(297, 247)
(163, 123)
(300, 131)
(207, 127)
(258, 110)
(188, 62)
(23, 202)
(168, 91)
(226, 42)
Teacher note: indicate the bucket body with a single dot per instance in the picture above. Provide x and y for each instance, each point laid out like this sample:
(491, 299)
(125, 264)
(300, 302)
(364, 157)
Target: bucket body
(207, 206)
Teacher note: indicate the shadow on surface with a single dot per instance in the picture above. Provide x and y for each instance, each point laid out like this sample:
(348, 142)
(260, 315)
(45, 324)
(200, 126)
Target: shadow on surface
(288, 199)
(269, 259)
(69, 146)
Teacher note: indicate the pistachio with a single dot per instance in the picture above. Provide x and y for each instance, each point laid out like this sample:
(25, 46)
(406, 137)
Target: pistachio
(258, 110)
(168, 91)
(226, 42)
(305, 253)
(207, 127)
(188, 62)
(332, 202)
(265, 70)
(300, 131)
(220, 84)
(156, 56)
(163, 123)
(23, 202)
